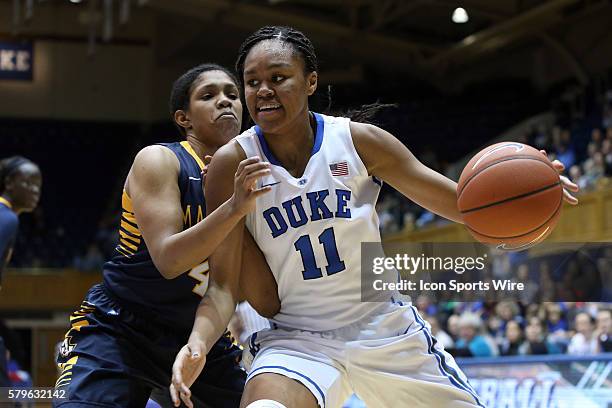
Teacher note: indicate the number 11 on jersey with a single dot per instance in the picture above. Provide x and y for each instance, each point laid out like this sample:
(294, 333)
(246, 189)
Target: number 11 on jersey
(334, 264)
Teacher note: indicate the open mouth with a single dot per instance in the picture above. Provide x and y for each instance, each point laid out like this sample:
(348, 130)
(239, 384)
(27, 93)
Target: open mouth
(268, 107)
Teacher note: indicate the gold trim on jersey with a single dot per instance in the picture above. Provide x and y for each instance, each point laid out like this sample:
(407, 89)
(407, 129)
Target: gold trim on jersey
(66, 375)
(192, 153)
(129, 234)
(6, 202)
(78, 320)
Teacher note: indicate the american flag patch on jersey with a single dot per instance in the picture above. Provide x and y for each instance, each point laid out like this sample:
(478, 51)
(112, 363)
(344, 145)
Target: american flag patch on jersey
(339, 169)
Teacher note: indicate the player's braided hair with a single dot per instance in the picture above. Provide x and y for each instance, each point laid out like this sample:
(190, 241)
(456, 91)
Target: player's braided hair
(183, 86)
(303, 46)
(8, 167)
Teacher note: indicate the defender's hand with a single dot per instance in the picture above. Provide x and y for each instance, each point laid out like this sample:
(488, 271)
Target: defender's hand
(186, 369)
(207, 160)
(245, 184)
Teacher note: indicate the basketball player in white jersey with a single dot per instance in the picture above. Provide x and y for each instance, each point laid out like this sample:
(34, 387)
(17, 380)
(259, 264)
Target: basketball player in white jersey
(324, 343)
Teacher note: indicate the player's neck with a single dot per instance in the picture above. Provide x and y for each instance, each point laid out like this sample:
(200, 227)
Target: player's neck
(290, 150)
(199, 147)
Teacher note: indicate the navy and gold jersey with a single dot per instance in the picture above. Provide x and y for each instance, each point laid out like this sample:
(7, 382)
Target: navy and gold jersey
(9, 223)
(130, 275)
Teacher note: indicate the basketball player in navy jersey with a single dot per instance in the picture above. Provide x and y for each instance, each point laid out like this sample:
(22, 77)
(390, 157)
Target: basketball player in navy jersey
(20, 186)
(326, 174)
(128, 329)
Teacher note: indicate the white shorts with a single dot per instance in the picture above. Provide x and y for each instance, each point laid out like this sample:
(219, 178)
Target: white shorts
(389, 359)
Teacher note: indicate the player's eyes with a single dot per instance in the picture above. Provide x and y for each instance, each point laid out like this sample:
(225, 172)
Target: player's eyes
(233, 96)
(277, 78)
(207, 96)
(252, 82)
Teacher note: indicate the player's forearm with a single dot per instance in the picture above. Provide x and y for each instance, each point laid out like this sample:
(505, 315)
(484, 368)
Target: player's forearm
(441, 196)
(432, 191)
(212, 317)
(182, 251)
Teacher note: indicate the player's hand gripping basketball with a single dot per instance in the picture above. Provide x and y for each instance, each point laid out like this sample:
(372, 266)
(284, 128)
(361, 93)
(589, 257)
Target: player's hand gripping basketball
(568, 186)
(186, 369)
(245, 184)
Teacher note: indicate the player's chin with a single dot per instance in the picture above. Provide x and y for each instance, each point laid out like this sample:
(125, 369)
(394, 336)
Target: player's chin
(32, 203)
(268, 121)
(227, 129)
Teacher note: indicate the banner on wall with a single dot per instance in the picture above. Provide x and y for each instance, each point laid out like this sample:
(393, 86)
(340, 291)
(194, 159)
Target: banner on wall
(16, 60)
(542, 382)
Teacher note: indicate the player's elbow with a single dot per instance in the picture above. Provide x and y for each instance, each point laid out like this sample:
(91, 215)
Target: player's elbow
(167, 267)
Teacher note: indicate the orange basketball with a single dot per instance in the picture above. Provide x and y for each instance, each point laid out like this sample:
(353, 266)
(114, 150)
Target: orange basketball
(510, 195)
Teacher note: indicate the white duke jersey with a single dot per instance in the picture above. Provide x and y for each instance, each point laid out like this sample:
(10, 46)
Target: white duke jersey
(310, 228)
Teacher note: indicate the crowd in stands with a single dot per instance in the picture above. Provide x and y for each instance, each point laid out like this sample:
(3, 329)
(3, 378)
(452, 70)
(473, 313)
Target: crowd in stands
(538, 321)
(509, 328)
(584, 147)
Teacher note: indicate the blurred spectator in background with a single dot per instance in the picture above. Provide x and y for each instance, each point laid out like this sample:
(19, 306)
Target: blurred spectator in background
(593, 167)
(555, 324)
(584, 342)
(92, 261)
(386, 221)
(500, 266)
(535, 340)
(452, 324)
(535, 310)
(554, 320)
(604, 330)
(511, 344)
(596, 137)
(530, 292)
(606, 121)
(426, 217)
(540, 137)
(606, 150)
(564, 150)
(547, 284)
(575, 173)
(507, 311)
(443, 337)
(472, 338)
(425, 305)
(107, 236)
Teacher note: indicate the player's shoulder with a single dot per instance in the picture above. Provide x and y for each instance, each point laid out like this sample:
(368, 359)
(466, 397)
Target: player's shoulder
(156, 156)
(153, 164)
(9, 221)
(229, 154)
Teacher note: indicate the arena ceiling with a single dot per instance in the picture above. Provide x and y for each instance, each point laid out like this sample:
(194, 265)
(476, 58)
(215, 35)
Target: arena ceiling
(410, 34)
(573, 37)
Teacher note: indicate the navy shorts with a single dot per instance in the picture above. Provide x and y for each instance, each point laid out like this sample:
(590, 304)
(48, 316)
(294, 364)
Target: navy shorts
(112, 357)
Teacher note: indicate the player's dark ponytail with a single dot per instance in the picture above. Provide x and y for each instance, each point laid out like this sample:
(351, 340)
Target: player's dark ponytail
(364, 114)
(9, 166)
